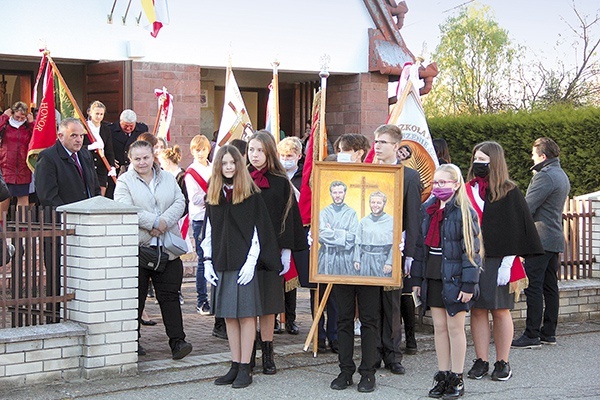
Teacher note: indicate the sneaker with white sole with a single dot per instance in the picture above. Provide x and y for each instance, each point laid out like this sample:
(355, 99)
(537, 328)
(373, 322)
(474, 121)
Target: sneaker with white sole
(479, 369)
(204, 309)
(502, 371)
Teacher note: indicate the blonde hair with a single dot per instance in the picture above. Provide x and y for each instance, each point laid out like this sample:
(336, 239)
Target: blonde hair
(466, 210)
(96, 104)
(199, 142)
(290, 144)
(172, 154)
(243, 185)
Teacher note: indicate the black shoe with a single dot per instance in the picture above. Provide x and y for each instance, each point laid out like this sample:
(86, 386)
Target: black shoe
(455, 386)
(268, 363)
(181, 349)
(439, 384)
(148, 323)
(502, 371)
(479, 369)
(396, 368)
(230, 376)
(321, 346)
(335, 346)
(525, 342)
(411, 342)
(141, 351)
(277, 328)
(366, 384)
(548, 340)
(342, 381)
(292, 328)
(243, 378)
(411, 351)
(220, 329)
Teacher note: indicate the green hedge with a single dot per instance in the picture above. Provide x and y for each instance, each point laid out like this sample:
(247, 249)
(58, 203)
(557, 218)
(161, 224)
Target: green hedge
(577, 132)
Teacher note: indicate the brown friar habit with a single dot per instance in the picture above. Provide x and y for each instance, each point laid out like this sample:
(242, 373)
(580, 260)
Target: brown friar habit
(507, 227)
(232, 228)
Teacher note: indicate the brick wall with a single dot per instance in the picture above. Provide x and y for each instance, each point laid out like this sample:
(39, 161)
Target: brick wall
(356, 104)
(183, 82)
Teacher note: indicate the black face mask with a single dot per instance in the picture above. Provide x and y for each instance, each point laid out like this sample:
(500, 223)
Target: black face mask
(481, 169)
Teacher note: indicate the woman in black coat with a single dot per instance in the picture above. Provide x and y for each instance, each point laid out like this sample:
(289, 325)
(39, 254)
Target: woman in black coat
(103, 141)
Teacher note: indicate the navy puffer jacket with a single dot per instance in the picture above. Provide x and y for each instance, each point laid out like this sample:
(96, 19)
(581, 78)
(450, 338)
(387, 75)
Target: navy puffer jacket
(458, 273)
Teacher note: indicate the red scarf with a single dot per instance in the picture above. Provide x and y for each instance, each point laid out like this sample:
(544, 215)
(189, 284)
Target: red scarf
(436, 216)
(483, 185)
(258, 175)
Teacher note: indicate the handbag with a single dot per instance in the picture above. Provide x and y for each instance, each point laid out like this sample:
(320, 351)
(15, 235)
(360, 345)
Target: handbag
(152, 258)
(175, 244)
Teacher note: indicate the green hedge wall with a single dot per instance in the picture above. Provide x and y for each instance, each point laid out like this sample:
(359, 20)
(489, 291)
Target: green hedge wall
(577, 132)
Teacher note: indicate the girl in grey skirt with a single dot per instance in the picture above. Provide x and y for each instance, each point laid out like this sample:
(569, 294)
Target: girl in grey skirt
(237, 235)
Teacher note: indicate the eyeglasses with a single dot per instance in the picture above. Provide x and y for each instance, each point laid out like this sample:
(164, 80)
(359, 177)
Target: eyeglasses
(441, 183)
(381, 142)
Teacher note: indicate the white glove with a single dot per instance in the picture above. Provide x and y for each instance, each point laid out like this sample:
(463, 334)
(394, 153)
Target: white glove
(504, 270)
(112, 172)
(98, 144)
(286, 256)
(209, 273)
(309, 239)
(247, 271)
(407, 264)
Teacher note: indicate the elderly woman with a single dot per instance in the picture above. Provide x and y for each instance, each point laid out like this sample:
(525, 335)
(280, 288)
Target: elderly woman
(16, 128)
(161, 205)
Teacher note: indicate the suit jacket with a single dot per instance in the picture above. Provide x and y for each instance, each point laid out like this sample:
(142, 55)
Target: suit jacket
(57, 179)
(121, 140)
(411, 215)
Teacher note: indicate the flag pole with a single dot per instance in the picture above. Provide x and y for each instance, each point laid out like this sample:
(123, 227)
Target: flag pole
(160, 108)
(324, 74)
(79, 113)
(276, 128)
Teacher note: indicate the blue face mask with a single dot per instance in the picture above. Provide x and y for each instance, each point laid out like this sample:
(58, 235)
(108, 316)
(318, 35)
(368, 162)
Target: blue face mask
(288, 164)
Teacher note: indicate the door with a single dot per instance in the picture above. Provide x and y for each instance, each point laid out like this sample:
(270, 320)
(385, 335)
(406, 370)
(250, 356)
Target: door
(111, 83)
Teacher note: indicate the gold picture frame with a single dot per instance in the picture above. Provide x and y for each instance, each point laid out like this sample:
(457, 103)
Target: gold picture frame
(349, 229)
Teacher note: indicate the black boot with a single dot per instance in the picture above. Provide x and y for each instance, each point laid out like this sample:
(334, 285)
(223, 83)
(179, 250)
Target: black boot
(455, 386)
(439, 384)
(267, 359)
(253, 356)
(243, 378)
(220, 329)
(230, 376)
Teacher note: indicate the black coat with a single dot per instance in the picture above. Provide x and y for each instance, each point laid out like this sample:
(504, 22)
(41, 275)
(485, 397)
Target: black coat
(109, 153)
(57, 179)
(121, 141)
(458, 273)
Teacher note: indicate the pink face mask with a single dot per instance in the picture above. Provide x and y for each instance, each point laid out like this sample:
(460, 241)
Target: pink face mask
(443, 193)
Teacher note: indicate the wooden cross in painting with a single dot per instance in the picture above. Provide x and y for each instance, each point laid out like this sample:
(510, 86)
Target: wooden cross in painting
(363, 192)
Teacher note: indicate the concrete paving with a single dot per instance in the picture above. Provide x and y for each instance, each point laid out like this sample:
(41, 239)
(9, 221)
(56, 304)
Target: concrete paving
(567, 370)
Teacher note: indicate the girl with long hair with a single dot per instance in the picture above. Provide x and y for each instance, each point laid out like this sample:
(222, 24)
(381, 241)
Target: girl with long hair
(237, 238)
(103, 141)
(508, 233)
(278, 194)
(447, 264)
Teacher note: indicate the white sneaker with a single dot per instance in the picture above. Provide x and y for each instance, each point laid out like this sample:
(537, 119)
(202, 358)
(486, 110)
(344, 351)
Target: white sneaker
(11, 250)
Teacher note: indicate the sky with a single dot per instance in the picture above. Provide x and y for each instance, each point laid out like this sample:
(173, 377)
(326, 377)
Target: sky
(536, 24)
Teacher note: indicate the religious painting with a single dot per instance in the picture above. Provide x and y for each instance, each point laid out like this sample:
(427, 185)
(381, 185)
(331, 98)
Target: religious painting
(357, 224)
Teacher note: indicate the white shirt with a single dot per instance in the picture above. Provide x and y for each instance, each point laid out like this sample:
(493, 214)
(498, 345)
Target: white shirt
(196, 195)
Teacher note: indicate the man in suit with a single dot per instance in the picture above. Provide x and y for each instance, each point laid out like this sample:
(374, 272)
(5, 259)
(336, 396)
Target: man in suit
(63, 175)
(125, 132)
(387, 143)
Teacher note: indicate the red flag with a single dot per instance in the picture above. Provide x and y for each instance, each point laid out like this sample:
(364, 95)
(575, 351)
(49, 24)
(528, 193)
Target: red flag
(157, 14)
(44, 128)
(304, 202)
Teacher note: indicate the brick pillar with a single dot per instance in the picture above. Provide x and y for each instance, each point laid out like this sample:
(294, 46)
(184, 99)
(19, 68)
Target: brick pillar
(102, 272)
(595, 197)
(356, 104)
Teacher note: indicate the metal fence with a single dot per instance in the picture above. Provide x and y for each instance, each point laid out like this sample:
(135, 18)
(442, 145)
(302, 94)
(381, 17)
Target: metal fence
(577, 260)
(32, 270)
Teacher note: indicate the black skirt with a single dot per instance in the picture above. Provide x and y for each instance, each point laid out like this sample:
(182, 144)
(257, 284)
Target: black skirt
(434, 293)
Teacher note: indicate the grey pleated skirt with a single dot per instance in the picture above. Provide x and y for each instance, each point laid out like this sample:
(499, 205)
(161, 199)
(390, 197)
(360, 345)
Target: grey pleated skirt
(492, 296)
(236, 301)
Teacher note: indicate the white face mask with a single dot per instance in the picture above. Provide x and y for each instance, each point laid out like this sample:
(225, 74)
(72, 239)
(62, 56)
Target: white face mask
(344, 157)
(288, 164)
(14, 123)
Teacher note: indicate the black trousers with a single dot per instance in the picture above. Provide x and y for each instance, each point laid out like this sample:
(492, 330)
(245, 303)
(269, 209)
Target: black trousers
(167, 285)
(369, 304)
(391, 326)
(290, 306)
(543, 288)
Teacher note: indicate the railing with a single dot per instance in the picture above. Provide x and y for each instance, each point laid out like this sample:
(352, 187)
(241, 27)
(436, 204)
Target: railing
(30, 280)
(576, 261)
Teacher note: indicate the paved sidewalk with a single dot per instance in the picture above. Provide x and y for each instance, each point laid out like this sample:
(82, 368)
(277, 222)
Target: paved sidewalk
(567, 370)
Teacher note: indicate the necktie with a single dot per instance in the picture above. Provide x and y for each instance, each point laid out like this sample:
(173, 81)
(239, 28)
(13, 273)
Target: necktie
(74, 157)
(228, 194)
